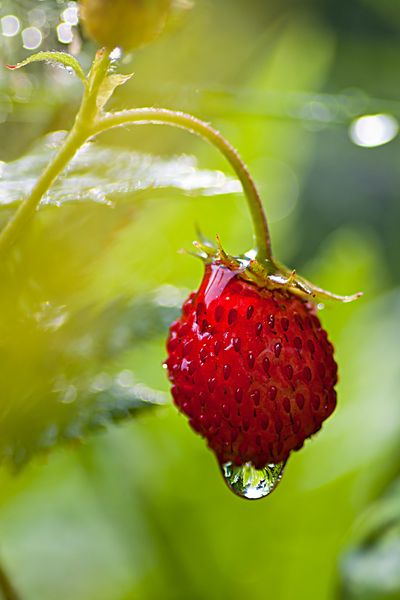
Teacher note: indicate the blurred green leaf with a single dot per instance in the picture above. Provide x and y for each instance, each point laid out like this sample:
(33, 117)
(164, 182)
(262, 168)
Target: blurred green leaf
(369, 569)
(101, 174)
(60, 384)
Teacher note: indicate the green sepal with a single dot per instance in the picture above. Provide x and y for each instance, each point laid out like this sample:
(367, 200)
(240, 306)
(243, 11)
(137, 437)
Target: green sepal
(108, 86)
(267, 274)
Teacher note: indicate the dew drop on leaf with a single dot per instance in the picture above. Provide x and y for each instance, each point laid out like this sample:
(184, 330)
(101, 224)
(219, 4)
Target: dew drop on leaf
(248, 482)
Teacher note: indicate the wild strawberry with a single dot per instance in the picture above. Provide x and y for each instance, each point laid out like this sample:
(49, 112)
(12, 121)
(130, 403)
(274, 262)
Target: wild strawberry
(251, 367)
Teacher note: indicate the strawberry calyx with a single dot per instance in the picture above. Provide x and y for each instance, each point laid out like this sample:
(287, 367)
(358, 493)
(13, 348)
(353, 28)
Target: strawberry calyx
(267, 273)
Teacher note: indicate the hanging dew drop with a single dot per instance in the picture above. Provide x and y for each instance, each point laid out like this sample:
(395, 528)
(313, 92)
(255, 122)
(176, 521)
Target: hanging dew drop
(250, 483)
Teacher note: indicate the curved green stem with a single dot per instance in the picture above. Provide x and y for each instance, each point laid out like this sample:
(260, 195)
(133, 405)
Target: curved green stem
(159, 116)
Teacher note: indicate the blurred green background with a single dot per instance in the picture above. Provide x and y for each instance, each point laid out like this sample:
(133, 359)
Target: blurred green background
(140, 511)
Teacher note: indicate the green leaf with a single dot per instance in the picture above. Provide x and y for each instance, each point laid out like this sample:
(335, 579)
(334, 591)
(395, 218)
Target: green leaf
(61, 383)
(101, 174)
(119, 326)
(101, 401)
(108, 87)
(55, 58)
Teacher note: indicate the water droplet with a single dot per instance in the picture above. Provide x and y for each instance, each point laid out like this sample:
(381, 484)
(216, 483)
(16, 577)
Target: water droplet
(248, 482)
(116, 54)
(218, 281)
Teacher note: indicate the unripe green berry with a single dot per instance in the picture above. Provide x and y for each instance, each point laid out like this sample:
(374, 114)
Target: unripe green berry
(127, 24)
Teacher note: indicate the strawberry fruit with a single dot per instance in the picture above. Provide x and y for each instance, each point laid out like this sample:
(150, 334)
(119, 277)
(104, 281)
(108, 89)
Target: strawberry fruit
(251, 367)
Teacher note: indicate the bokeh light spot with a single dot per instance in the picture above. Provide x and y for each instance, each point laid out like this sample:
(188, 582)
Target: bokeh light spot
(70, 14)
(37, 17)
(64, 33)
(10, 25)
(373, 130)
(31, 38)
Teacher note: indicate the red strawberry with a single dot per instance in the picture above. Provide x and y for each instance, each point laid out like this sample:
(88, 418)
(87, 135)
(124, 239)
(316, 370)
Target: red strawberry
(251, 367)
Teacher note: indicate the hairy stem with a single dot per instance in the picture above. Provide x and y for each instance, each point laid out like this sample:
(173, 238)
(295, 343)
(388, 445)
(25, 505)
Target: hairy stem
(6, 587)
(80, 132)
(160, 116)
(28, 207)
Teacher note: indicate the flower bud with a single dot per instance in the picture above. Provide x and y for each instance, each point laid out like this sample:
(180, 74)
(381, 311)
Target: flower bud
(127, 24)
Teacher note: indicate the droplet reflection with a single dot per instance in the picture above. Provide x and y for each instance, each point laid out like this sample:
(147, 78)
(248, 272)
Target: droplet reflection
(250, 483)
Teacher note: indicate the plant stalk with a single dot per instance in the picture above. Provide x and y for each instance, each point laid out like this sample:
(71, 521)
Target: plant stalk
(80, 132)
(160, 116)
(26, 210)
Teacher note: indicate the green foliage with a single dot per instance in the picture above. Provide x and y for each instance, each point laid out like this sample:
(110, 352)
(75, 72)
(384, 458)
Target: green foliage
(58, 380)
(104, 174)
